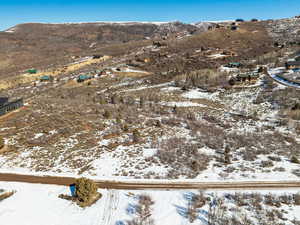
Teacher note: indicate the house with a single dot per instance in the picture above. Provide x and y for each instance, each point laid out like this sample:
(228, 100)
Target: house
(234, 65)
(31, 71)
(243, 78)
(6, 106)
(292, 65)
(46, 78)
(83, 78)
(97, 56)
(3, 100)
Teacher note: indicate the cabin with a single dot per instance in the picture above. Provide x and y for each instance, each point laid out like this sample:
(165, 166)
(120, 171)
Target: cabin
(247, 77)
(97, 56)
(46, 78)
(292, 65)
(234, 65)
(3, 100)
(244, 78)
(31, 71)
(6, 106)
(83, 78)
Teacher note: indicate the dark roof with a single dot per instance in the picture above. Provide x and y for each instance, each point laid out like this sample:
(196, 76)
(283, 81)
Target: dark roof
(3, 100)
(246, 75)
(293, 63)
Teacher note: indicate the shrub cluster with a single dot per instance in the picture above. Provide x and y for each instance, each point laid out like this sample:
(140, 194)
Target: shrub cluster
(86, 189)
(183, 157)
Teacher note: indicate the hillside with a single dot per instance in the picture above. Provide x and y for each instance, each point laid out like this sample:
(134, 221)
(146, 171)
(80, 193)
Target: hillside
(45, 45)
(161, 101)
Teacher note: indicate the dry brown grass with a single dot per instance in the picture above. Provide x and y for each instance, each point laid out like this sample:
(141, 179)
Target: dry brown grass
(29, 78)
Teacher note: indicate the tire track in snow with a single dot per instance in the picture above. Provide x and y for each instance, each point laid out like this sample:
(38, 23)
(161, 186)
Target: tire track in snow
(110, 208)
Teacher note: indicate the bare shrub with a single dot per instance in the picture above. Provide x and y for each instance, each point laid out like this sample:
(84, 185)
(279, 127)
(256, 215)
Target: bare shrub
(297, 199)
(182, 157)
(136, 136)
(267, 163)
(206, 78)
(107, 114)
(1, 142)
(143, 211)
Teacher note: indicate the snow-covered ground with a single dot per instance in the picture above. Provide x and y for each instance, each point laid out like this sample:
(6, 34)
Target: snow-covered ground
(141, 161)
(182, 104)
(35, 204)
(198, 94)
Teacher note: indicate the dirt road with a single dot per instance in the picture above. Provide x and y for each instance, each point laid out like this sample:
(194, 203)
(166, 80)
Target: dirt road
(142, 184)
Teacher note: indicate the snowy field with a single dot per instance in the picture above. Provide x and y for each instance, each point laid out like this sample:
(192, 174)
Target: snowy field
(35, 204)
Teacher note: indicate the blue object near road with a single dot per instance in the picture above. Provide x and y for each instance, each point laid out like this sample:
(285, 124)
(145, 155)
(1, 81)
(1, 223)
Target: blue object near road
(73, 190)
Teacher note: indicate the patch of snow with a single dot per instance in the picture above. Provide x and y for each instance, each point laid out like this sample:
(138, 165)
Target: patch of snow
(227, 69)
(216, 56)
(35, 204)
(150, 152)
(11, 30)
(133, 71)
(148, 87)
(197, 94)
(38, 135)
(125, 23)
(182, 104)
(170, 89)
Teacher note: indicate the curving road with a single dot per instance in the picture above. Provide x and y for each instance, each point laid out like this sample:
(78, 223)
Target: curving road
(157, 184)
(277, 77)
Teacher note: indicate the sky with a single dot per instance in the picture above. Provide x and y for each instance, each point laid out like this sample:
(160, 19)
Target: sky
(14, 12)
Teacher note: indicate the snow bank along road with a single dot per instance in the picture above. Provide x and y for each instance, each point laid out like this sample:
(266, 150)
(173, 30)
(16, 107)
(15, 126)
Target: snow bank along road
(153, 184)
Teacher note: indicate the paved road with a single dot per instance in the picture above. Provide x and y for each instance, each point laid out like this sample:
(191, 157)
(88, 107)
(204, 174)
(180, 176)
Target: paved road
(281, 80)
(133, 185)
